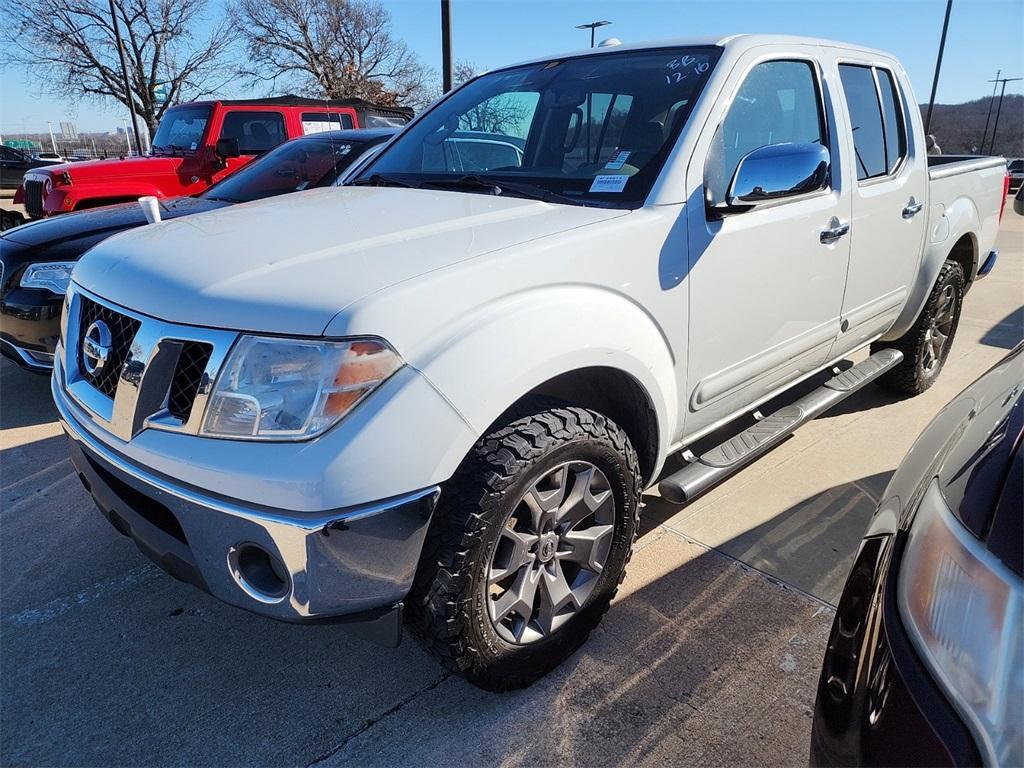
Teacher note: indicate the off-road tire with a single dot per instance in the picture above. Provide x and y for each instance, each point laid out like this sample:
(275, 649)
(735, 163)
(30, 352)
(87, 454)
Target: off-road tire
(910, 376)
(446, 609)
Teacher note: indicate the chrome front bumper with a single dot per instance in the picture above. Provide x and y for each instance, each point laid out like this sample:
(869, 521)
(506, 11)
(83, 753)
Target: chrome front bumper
(354, 564)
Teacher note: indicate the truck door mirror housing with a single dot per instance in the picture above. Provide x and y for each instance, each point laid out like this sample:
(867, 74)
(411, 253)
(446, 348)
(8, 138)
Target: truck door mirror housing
(775, 172)
(227, 148)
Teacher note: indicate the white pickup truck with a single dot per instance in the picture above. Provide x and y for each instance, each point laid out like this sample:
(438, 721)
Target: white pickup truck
(438, 393)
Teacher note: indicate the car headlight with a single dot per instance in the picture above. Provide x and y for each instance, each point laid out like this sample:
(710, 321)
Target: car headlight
(963, 610)
(294, 389)
(53, 276)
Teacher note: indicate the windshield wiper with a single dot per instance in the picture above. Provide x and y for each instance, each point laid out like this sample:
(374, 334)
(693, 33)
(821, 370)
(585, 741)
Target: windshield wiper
(502, 187)
(380, 180)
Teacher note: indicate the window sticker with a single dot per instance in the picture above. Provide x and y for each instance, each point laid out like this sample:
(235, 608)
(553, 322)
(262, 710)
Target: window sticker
(617, 160)
(609, 183)
(193, 146)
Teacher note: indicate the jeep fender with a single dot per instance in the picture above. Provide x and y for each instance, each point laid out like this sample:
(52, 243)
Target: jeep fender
(97, 196)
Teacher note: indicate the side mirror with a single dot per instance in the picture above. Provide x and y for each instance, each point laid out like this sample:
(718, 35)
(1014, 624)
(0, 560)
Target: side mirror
(775, 172)
(227, 148)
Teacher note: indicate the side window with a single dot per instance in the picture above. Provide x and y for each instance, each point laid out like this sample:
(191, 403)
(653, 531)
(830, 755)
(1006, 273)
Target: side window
(602, 121)
(490, 134)
(778, 103)
(895, 130)
(865, 120)
(484, 155)
(256, 131)
(318, 122)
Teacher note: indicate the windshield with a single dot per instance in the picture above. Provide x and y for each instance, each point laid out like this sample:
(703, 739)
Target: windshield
(593, 130)
(182, 128)
(291, 167)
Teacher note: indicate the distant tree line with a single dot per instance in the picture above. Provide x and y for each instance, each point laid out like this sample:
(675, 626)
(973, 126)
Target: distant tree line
(958, 128)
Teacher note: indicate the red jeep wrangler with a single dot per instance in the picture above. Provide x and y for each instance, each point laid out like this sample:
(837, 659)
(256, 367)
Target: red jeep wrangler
(196, 145)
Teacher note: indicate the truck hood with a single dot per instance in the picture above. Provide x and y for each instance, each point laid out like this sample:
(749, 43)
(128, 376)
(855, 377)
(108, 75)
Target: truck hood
(290, 264)
(114, 168)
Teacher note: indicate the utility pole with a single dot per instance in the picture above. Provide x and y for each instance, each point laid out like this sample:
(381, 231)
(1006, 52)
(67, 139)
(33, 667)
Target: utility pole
(938, 66)
(127, 82)
(53, 141)
(592, 26)
(999, 109)
(995, 84)
(446, 45)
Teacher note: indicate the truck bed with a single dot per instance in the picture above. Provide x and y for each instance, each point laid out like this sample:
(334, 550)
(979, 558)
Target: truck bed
(941, 166)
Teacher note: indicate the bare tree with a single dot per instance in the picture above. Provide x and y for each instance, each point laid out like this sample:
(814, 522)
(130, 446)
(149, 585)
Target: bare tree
(336, 48)
(68, 46)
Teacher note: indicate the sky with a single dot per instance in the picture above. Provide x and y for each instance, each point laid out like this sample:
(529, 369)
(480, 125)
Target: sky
(984, 36)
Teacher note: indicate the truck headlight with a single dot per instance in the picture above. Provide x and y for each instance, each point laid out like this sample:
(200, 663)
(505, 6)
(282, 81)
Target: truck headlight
(53, 276)
(294, 389)
(962, 608)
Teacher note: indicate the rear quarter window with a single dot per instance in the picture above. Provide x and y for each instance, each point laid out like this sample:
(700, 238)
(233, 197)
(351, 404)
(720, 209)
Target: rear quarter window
(876, 118)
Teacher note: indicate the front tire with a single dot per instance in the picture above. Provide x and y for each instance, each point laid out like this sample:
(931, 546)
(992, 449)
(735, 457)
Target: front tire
(926, 345)
(527, 547)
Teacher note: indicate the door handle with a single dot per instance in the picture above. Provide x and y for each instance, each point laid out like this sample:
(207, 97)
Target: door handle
(834, 232)
(912, 209)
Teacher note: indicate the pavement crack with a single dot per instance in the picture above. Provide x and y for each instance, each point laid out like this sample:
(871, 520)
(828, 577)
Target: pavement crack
(373, 721)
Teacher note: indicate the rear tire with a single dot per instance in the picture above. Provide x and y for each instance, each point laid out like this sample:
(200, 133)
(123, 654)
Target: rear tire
(501, 596)
(926, 345)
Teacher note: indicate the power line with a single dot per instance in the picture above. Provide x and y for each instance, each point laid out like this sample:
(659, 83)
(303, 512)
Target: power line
(999, 109)
(990, 103)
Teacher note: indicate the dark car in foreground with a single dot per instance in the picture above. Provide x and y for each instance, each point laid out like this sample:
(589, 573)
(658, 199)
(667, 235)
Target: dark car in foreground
(925, 661)
(36, 259)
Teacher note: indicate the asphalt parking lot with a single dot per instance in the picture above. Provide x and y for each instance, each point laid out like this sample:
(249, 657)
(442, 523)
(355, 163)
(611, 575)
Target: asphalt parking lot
(710, 655)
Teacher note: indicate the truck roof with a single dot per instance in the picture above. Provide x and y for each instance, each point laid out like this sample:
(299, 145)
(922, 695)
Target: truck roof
(300, 101)
(727, 41)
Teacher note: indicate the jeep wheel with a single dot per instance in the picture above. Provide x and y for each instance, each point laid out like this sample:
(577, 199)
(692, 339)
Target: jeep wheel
(926, 345)
(528, 546)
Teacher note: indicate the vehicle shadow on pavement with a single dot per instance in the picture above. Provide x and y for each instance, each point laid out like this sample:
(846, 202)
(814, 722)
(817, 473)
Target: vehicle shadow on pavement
(1008, 332)
(811, 545)
(701, 660)
(25, 399)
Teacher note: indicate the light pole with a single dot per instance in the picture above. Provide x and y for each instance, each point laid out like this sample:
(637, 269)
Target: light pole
(995, 84)
(53, 141)
(592, 26)
(127, 83)
(999, 109)
(938, 66)
(128, 136)
(446, 45)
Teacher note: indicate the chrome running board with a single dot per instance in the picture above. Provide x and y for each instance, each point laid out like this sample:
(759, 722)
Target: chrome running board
(718, 463)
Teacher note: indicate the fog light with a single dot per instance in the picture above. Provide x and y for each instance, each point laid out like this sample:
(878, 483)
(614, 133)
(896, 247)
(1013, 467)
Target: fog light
(262, 575)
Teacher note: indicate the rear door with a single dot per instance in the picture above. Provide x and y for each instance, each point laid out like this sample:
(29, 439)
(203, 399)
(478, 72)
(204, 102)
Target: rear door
(765, 291)
(890, 190)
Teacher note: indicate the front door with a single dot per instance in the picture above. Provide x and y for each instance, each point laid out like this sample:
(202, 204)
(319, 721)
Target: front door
(765, 290)
(256, 132)
(889, 193)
